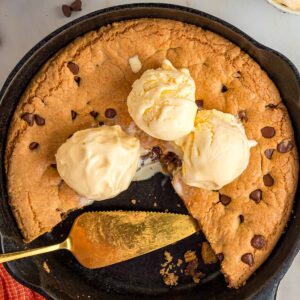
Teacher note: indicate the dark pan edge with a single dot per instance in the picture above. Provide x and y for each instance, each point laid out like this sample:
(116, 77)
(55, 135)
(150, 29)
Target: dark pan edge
(277, 275)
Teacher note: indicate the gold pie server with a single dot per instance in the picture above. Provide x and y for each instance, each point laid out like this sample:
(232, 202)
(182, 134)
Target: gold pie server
(99, 239)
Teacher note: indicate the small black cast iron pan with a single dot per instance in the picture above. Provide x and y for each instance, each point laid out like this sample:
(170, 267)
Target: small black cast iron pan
(139, 278)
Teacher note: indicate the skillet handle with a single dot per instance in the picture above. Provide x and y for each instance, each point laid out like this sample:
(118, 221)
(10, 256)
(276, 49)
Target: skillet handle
(269, 292)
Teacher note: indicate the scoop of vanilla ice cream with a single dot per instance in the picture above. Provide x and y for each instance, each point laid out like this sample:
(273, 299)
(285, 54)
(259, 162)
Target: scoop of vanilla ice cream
(216, 152)
(99, 163)
(162, 102)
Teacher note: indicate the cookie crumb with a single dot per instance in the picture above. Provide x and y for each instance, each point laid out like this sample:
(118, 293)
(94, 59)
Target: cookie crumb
(190, 256)
(169, 277)
(46, 267)
(155, 204)
(179, 262)
(168, 258)
(191, 267)
(133, 201)
(207, 253)
(198, 276)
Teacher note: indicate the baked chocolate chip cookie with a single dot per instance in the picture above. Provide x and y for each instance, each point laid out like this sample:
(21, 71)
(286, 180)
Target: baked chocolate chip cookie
(86, 85)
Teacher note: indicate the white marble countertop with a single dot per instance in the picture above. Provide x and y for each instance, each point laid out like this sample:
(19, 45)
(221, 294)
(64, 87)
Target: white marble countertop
(23, 23)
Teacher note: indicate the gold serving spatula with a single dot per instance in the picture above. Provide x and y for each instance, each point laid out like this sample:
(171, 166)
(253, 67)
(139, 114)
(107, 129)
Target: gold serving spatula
(99, 239)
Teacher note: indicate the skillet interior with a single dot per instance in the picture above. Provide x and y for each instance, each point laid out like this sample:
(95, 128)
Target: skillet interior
(138, 278)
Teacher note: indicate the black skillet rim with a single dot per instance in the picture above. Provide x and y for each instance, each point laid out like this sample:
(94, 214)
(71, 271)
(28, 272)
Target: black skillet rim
(272, 279)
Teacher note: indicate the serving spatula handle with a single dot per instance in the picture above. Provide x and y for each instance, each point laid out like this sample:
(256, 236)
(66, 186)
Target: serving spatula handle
(31, 252)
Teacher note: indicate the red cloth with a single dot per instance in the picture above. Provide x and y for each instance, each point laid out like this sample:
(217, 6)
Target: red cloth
(12, 290)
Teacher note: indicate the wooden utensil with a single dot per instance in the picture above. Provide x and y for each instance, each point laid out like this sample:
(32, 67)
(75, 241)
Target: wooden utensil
(99, 239)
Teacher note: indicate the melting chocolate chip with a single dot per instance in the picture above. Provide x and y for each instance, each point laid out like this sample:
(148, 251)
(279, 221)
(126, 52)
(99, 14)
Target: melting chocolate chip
(268, 132)
(77, 80)
(220, 256)
(168, 158)
(224, 89)
(271, 105)
(101, 123)
(225, 200)
(39, 120)
(241, 218)
(33, 145)
(156, 153)
(171, 161)
(110, 113)
(199, 103)
(258, 242)
(66, 9)
(242, 115)
(269, 153)
(28, 118)
(247, 258)
(268, 180)
(76, 5)
(74, 68)
(285, 146)
(256, 195)
(94, 114)
(73, 114)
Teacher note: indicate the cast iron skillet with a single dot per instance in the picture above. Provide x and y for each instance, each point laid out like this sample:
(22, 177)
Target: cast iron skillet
(139, 278)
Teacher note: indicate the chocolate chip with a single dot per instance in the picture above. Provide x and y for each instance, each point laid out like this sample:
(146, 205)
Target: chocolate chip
(269, 153)
(110, 113)
(171, 161)
(77, 80)
(29, 118)
(74, 68)
(76, 5)
(224, 89)
(39, 120)
(225, 200)
(33, 145)
(256, 195)
(258, 242)
(268, 132)
(156, 153)
(268, 180)
(242, 115)
(101, 123)
(94, 114)
(168, 158)
(247, 259)
(54, 166)
(220, 256)
(285, 146)
(241, 218)
(66, 9)
(271, 105)
(199, 103)
(73, 114)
